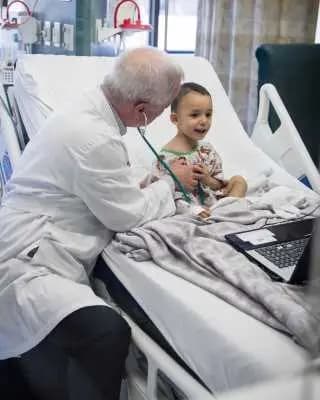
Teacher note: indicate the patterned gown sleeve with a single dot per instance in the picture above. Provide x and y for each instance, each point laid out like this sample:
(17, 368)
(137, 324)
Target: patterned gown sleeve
(211, 159)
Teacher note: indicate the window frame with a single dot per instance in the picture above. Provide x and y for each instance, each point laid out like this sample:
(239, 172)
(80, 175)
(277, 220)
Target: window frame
(154, 21)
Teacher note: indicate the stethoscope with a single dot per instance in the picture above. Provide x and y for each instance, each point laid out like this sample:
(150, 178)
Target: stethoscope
(143, 130)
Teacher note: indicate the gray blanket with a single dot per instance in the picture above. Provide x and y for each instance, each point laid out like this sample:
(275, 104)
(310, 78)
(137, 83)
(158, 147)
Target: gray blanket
(196, 251)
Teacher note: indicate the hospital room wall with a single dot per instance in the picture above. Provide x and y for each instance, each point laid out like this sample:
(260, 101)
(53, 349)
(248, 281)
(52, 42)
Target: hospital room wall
(82, 14)
(87, 12)
(53, 11)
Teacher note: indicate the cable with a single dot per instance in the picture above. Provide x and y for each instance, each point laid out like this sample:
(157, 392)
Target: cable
(30, 12)
(115, 17)
(15, 24)
(20, 2)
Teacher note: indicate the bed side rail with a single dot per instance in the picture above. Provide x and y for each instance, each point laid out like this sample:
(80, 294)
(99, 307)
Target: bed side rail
(160, 362)
(284, 145)
(8, 130)
(144, 384)
(9, 144)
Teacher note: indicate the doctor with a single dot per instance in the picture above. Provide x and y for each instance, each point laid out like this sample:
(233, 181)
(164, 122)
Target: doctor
(70, 192)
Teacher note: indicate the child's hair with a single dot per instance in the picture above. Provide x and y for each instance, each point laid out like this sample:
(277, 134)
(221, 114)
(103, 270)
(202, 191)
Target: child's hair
(186, 88)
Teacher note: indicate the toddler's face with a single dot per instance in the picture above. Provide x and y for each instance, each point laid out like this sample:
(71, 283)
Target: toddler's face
(193, 116)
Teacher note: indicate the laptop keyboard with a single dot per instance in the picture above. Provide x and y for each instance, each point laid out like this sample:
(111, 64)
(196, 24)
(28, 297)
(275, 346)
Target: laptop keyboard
(285, 254)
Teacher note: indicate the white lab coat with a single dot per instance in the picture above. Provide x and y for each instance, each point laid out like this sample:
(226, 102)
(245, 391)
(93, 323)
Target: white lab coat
(72, 188)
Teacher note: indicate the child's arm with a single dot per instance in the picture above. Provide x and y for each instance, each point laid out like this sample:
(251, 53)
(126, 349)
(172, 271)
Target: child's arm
(235, 187)
(211, 167)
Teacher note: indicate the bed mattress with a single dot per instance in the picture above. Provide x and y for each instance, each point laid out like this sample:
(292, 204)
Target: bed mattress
(224, 346)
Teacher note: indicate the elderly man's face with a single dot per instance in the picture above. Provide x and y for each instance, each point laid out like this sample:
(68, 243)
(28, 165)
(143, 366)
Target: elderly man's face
(152, 111)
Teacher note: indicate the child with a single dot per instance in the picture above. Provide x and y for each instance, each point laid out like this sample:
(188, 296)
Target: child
(191, 112)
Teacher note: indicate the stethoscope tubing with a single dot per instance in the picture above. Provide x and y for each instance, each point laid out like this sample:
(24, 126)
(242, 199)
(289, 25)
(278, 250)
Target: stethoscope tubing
(142, 131)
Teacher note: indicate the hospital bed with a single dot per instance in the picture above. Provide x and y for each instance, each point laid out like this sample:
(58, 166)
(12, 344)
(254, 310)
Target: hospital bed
(223, 346)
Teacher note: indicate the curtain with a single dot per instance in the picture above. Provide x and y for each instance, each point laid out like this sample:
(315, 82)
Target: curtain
(229, 31)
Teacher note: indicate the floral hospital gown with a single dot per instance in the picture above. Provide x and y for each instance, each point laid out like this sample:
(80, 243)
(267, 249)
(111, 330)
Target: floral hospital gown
(204, 155)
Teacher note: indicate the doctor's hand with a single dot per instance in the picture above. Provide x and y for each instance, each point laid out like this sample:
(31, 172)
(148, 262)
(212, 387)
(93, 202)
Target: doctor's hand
(188, 175)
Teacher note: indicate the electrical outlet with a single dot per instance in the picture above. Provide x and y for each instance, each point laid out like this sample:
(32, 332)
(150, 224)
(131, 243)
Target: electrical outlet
(56, 34)
(47, 33)
(39, 31)
(68, 37)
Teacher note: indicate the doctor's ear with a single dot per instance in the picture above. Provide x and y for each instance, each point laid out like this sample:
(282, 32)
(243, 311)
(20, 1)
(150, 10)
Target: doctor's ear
(140, 107)
(174, 118)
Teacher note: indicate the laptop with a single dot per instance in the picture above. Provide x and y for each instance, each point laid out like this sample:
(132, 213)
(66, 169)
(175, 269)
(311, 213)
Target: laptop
(282, 250)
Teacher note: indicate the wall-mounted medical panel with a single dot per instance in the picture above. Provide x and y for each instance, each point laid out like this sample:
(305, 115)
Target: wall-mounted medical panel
(56, 34)
(47, 33)
(78, 16)
(57, 12)
(68, 37)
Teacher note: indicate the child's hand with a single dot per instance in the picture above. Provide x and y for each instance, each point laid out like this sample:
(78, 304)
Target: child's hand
(205, 213)
(205, 175)
(208, 180)
(200, 211)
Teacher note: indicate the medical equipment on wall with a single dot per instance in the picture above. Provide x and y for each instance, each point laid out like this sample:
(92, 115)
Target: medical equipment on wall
(142, 130)
(22, 26)
(121, 27)
(19, 30)
(9, 52)
(18, 18)
(128, 23)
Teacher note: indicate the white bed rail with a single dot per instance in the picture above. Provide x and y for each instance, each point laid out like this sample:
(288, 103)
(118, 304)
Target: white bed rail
(7, 130)
(140, 388)
(284, 145)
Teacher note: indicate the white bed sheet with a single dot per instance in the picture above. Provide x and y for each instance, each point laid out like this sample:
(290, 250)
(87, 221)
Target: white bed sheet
(224, 346)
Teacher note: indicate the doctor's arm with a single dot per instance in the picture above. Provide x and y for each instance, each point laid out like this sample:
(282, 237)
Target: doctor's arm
(103, 181)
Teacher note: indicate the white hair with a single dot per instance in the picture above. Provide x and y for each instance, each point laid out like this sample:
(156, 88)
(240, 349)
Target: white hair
(144, 74)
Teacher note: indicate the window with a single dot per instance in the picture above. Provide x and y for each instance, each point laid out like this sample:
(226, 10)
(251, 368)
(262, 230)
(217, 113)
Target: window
(174, 23)
(177, 26)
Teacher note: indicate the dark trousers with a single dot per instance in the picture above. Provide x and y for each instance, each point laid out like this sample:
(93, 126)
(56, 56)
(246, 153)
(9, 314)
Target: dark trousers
(82, 358)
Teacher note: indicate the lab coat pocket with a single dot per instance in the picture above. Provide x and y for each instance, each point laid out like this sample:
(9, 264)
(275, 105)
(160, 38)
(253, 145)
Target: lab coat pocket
(57, 252)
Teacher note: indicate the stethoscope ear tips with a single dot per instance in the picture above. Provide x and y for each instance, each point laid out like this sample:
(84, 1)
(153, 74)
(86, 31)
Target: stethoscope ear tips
(142, 130)
(145, 118)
